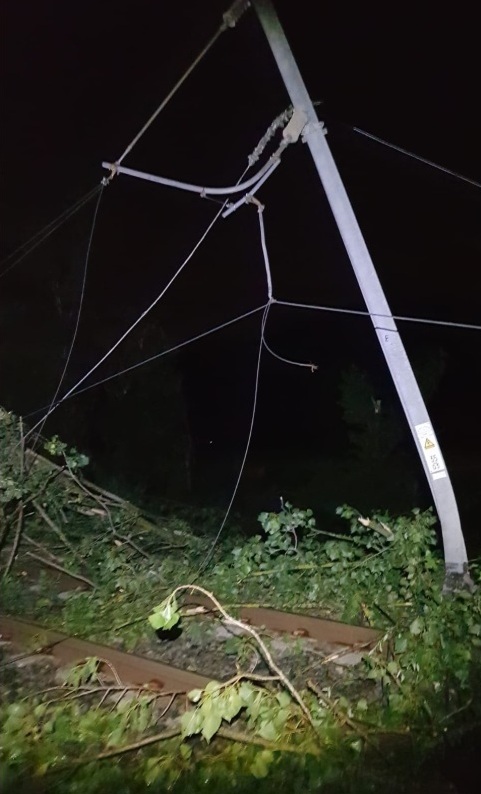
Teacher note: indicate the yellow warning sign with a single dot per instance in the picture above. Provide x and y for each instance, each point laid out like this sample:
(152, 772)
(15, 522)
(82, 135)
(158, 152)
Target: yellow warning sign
(428, 444)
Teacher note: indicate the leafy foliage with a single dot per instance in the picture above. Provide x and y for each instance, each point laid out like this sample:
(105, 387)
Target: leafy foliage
(421, 679)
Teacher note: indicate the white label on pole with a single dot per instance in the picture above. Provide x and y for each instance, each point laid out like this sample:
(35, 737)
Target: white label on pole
(431, 451)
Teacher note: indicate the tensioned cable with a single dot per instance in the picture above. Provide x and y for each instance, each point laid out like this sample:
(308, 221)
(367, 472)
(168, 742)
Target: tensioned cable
(230, 19)
(47, 230)
(364, 313)
(77, 321)
(210, 552)
(417, 157)
(156, 356)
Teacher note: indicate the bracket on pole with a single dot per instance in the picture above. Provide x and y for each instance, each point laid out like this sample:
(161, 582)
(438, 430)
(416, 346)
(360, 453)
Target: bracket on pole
(295, 126)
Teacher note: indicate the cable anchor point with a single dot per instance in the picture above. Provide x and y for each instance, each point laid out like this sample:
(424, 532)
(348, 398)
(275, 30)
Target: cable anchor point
(106, 180)
(234, 13)
(253, 200)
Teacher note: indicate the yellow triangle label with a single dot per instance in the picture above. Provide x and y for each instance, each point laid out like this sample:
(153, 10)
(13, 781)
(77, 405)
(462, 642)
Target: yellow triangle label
(428, 444)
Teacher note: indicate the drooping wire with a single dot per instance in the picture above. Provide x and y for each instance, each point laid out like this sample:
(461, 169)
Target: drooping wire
(131, 327)
(228, 21)
(77, 321)
(155, 357)
(271, 299)
(211, 549)
(291, 304)
(39, 237)
(74, 388)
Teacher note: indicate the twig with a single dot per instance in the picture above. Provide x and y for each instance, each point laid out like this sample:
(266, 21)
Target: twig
(102, 661)
(129, 748)
(258, 741)
(249, 677)
(225, 733)
(50, 564)
(87, 689)
(19, 527)
(16, 541)
(172, 698)
(105, 507)
(358, 646)
(53, 526)
(5, 530)
(42, 649)
(339, 715)
(41, 547)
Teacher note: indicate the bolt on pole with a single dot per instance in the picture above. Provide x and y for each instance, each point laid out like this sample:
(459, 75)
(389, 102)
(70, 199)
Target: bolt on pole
(385, 327)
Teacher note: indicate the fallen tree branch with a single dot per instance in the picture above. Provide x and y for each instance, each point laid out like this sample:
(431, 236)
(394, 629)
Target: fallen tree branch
(41, 548)
(105, 507)
(53, 526)
(229, 620)
(258, 741)
(51, 564)
(128, 748)
(19, 526)
(339, 716)
(16, 542)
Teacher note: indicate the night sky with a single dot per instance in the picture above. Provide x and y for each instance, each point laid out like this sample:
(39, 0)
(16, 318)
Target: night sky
(80, 80)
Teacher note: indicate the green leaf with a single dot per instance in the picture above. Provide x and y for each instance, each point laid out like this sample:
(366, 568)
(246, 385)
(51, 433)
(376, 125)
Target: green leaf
(195, 695)
(153, 771)
(231, 704)
(280, 718)
(157, 621)
(231, 646)
(211, 724)
(166, 615)
(213, 688)
(260, 766)
(247, 693)
(475, 628)
(268, 731)
(393, 668)
(185, 751)
(190, 723)
(284, 699)
(417, 626)
(116, 737)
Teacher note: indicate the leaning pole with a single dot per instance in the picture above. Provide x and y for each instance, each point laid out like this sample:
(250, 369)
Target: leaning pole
(456, 561)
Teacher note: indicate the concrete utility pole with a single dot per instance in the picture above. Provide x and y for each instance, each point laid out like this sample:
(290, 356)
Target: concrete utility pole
(416, 412)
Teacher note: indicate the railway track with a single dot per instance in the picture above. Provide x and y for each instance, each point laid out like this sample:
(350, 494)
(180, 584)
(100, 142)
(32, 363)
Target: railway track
(33, 639)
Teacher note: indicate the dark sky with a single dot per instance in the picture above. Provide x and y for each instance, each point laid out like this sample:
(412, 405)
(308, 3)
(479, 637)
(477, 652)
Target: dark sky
(79, 80)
